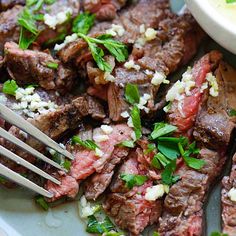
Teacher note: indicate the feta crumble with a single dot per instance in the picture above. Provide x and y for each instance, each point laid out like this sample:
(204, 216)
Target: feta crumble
(85, 208)
(214, 88)
(68, 39)
(159, 78)
(100, 138)
(116, 30)
(156, 191)
(131, 65)
(150, 34)
(232, 194)
(59, 18)
(107, 129)
(99, 152)
(125, 114)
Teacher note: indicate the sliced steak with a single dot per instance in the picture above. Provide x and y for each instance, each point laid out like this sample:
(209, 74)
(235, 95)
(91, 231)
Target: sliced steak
(87, 162)
(98, 182)
(104, 10)
(7, 4)
(9, 31)
(129, 209)
(214, 125)
(28, 66)
(183, 112)
(229, 206)
(54, 124)
(183, 206)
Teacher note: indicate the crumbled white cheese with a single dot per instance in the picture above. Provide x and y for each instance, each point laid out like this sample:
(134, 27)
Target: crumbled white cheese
(142, 29)
(214, 88)
(187, 79)
(125, 114)
(130, 122)
(59, 18)
(148, 72)
(109, 77)
(30, 103)
(107, 129)
(99, 152)
(68, 39)
(131, 65)
(150, 34)
(204, 87)
(116, 30)
(133, 136)
(156, 191)
(159, 78)
(232, 194)
(140, 42)
(175, 91)
(85, 208)
(143, 101)
(100, 138)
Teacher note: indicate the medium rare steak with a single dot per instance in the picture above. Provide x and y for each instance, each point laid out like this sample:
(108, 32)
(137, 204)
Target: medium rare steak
(87, 162)
(28, 66)
(228, 204)
(183, 112)
(9, 31)
(214, 125)
(183, 213)
(129, 208)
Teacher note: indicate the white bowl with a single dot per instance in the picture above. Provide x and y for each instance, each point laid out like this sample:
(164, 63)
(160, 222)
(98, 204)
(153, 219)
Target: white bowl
(221, 29)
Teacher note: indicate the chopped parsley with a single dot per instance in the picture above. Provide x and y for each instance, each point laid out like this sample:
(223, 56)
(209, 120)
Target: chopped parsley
(218, 234)
(132, 180)
(155, 234)
(96, 227)
(161, 129)
(41, 202)
(89, 144)
(232, 112)
(116, 49)
(135, 115)
(150, 148)
(128, 143)
(10, 87)
(83, 23)
(167, 175)
(132, 93)
(230, 1)
(52, 65)
(61, 160)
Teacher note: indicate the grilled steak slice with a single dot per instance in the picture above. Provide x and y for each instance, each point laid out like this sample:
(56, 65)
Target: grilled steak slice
(54, 124)
(183, 112)
(28, 66)
(87, 162)
(7, 4)
(229, 206)
(183, 213)
(214, 125)
(98, 182)
(9, 31)
(129, 209)
(104, 10)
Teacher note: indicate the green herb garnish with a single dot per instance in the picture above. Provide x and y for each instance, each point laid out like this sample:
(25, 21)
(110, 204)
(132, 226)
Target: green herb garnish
(132, 93)
(128, 143)
(116, 48)
(52, 65)
(10, 87)
(83, 23)
(232, 112)
(150, 148)
(89, 144)
(218, 234)
(155, 234)
(132, 180)
(167, 175)
(230, 1)
(162, 129)
(96, 227)
(41, 202)
(135, 115)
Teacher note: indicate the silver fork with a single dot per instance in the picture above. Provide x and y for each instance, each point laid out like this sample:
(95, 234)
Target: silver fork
(25, 126)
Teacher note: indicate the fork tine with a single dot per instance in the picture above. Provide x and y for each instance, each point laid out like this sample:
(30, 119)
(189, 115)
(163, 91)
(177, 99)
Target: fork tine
(6, 135)
(17, 178)
(10, 116)
(23, 162)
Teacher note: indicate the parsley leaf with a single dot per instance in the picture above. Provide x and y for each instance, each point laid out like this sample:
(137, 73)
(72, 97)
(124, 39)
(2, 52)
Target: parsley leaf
(83, 23)
(150, 147)
(218, 234)
(155, 234)
(89, 144)
(67, 164)
(50, 2)
(10, 87)
(135, 115)
(156, 163)
(162, 129)
(167, 175)
(133, 180)
(160, 158)
(230, 1)
(96, 227)
(232, 112)
(128, 143)
(132, 93)
(169, 149)
(52, 65)
(41, 202)
(116, 48)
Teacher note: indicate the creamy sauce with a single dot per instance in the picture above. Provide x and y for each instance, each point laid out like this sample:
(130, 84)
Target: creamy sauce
(228, 10)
